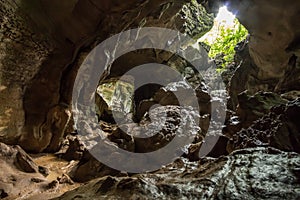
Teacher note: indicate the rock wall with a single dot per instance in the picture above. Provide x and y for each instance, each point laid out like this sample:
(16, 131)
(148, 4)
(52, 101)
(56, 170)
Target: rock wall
(273, 45)
(44, 42)
(41, 46)
(24, 48)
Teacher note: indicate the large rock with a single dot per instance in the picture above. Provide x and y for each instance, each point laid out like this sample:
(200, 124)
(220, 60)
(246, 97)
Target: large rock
(90, 168)
(25, 177)
(72, 149)
(177, 94)
(17, 157)
(247, 174)
(280, 129)
(253, 107)
(160, 126)
(18, 173)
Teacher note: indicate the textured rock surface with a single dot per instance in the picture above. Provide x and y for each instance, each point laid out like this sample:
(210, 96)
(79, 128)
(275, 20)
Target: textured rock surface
(273, 45)
(72, 149)
(44, 42)
(24, 47)
(270, 60)
(18, 173)
(251, 108)
(42, 45)
(246, 174)
(18, 158)
(280, 129)
(90, 168)
(161, 125)
(39, 56)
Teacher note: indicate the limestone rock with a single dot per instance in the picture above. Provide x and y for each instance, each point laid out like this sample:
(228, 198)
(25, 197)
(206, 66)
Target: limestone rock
(250, 109)
(246, 174)
(17, 157)
(279, 129)
(43, 44)
(72, 149)
(253, 107)
(160, 126)
(25, 163)
(89, 168)
(17, 172)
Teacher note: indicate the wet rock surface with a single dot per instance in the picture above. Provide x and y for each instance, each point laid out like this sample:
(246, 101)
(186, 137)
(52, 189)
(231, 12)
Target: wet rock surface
(261, 173)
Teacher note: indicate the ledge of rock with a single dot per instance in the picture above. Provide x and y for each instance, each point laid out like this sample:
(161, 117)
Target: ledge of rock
(246, 174)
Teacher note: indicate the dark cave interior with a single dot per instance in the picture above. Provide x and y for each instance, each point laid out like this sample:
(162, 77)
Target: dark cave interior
(47, 149)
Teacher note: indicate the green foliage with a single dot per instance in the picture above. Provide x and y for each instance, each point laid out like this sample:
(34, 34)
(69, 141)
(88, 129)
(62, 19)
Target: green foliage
(225, 42)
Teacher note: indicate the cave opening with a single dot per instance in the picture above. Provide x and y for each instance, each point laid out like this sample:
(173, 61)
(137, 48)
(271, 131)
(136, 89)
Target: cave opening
(256, 52)
(221, 43)
(224, 38)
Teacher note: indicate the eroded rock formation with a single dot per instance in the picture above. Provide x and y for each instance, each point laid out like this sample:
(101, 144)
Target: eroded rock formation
(274, 40)
(22, 177)
(245, 174)
(42, 46)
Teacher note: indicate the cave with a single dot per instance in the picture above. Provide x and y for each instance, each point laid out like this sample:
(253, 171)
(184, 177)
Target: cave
(117, 99)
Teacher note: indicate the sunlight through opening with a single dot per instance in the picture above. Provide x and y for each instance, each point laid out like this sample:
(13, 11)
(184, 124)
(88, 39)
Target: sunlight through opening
(224, 19)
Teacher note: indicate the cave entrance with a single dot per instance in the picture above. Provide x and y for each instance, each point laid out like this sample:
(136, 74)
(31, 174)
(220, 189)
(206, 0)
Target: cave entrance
(115, 95)
(221, 41)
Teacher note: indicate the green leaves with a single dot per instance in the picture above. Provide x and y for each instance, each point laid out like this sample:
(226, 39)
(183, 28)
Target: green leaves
(226, 41)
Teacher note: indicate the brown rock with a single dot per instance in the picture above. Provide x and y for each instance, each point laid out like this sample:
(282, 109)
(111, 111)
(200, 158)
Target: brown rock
(19, 175)
(25, 163)
(89, 168)
(65, 179)
(37, 54)
(72, 148)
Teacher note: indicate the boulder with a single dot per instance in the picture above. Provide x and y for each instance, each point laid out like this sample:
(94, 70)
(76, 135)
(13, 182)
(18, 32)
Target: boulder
(258, 173)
